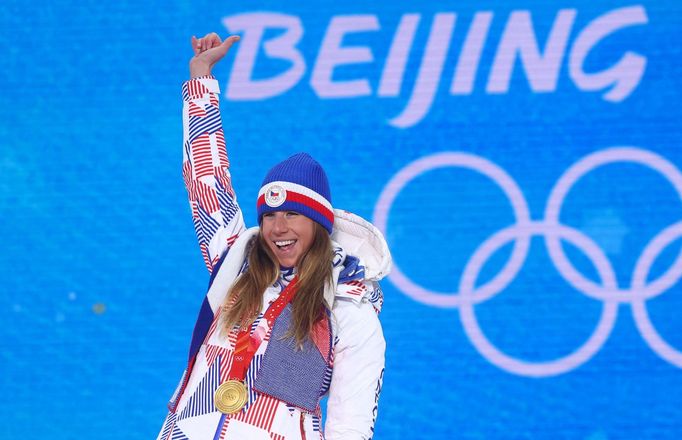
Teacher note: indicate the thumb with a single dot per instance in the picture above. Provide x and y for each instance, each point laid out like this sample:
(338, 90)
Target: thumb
(229, 42)
(219, 52)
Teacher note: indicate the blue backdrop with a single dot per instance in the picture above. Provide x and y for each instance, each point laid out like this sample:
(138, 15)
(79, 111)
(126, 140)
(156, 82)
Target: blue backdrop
(523, 159)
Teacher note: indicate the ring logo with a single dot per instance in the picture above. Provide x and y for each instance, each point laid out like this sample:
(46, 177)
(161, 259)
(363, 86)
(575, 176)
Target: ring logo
(607, 291)
(517, 42)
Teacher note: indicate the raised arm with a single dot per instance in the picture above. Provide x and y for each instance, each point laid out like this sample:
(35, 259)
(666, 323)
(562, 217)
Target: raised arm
(217, 218)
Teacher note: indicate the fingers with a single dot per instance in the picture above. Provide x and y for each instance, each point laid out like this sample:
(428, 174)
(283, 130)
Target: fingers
(208, 50)
(196, 45)
(205, 43)
(215, 40)
(211, 40)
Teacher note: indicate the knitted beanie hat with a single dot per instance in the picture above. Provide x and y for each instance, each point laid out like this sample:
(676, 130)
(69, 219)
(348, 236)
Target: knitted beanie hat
(297, 184)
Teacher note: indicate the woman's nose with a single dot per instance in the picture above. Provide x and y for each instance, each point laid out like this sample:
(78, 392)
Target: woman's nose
(280, 223)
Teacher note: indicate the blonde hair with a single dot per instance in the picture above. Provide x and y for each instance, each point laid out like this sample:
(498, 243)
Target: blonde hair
(245, 298)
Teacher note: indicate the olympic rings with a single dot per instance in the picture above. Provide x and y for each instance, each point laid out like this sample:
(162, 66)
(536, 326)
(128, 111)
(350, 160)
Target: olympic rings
(553, 232)
(556, 199)
(644, 325)
(483, 166)
(562, 365)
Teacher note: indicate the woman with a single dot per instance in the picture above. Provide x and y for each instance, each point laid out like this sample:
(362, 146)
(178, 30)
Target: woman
(291, 314)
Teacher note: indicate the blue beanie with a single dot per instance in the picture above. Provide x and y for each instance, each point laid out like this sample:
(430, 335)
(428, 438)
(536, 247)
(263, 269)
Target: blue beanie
(297, 184)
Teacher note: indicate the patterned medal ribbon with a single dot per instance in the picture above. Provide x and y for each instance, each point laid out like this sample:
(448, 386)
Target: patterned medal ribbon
(232, 394)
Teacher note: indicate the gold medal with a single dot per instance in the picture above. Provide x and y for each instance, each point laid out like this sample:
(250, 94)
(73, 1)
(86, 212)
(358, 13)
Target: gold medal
(230, 396)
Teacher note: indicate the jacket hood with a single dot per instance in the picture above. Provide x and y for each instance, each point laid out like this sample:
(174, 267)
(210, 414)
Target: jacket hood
(363, 240)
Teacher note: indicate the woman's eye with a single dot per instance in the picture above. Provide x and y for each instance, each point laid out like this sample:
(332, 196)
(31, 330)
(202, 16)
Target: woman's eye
(268, 214)
(291, 213)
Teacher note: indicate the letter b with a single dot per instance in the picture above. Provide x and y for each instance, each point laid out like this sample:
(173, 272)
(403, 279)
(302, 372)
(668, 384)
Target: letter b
(241, 86)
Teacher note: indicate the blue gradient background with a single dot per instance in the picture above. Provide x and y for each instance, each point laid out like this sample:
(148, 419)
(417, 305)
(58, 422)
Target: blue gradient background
(102, 277)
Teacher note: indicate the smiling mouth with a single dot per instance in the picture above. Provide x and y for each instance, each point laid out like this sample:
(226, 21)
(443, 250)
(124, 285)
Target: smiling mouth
(285, 245)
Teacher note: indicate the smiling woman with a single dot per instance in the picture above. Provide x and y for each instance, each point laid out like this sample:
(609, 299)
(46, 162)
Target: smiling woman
(288, 235)
(291, 314)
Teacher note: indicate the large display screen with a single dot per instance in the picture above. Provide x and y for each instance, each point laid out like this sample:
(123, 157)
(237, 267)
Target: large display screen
(522, 158)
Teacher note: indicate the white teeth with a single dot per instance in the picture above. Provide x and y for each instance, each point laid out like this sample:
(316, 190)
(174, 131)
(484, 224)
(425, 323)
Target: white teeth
(284, 243)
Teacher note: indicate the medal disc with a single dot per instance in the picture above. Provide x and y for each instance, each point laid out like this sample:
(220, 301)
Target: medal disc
(230, 396)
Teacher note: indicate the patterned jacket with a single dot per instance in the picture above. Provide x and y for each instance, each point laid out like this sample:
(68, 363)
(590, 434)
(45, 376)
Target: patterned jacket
(343, 361)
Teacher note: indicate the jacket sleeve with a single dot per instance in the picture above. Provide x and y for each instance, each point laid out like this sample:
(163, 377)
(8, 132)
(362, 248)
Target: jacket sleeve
(358, 372)
(216, 215)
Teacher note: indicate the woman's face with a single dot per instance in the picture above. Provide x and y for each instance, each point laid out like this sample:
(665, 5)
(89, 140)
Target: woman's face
(289, 235)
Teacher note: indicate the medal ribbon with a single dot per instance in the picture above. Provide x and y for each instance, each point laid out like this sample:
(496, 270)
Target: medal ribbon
(247, 344)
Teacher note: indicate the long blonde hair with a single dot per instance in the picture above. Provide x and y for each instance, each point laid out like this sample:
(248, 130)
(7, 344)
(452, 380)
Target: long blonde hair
(244, 299)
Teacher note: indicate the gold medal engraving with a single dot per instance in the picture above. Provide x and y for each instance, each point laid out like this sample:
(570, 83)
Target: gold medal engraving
(230, 396)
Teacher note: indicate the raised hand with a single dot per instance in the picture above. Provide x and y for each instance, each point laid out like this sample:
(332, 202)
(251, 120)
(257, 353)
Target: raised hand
(208, 50)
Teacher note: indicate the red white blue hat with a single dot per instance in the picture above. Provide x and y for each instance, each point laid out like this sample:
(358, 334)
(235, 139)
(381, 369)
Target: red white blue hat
(297, 184)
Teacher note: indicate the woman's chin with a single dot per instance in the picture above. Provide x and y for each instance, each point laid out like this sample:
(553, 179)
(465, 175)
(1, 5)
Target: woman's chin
(287, 261)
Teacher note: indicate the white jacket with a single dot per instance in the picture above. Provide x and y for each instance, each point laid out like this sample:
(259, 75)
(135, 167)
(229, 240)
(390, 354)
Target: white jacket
(358, 349)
